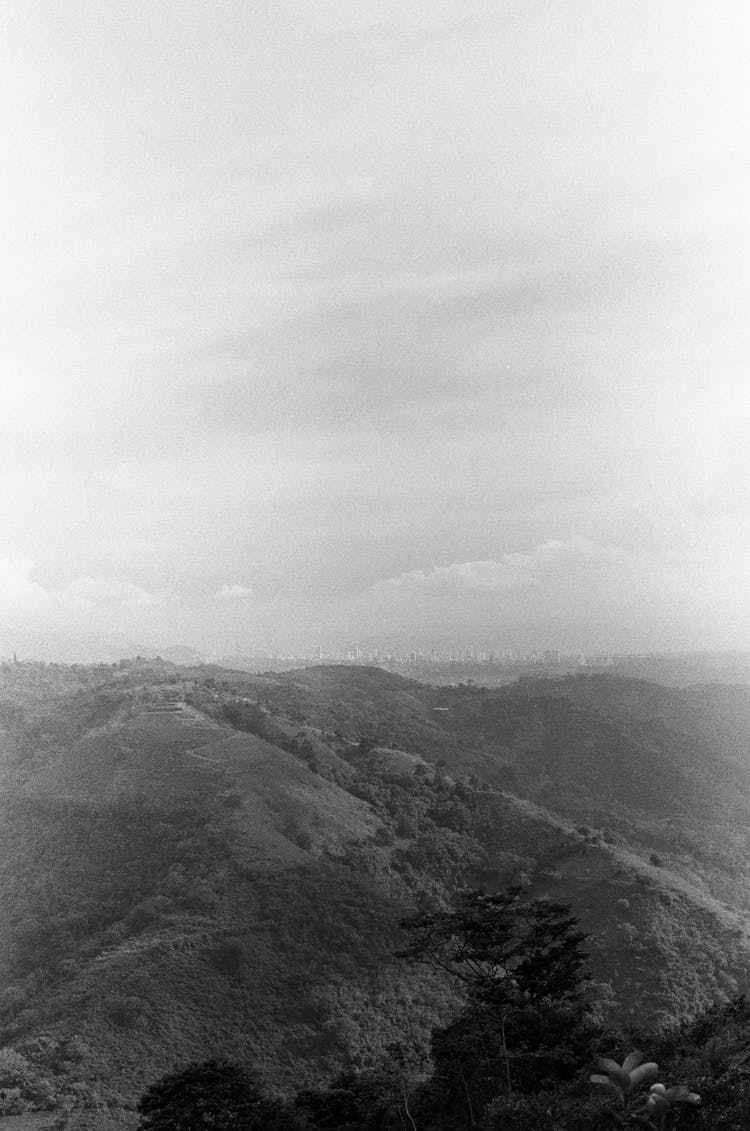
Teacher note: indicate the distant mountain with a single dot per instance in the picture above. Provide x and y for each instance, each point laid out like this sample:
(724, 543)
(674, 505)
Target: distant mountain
(195, 860)
(674, 669)
(180, 654)
(686, 668)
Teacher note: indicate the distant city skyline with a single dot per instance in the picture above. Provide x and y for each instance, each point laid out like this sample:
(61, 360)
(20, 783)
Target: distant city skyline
(349, 321)
(91, 650)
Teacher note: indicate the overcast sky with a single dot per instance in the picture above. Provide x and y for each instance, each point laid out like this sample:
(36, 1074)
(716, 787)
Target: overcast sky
(363, 320)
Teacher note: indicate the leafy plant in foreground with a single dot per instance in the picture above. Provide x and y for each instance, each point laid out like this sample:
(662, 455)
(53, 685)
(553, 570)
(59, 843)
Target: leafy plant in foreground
(659, 1109)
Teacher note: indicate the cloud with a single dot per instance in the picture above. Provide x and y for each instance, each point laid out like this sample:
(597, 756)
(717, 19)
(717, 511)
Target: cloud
(17, 589)
(573, 593)
(87, 592)
(417, 289)
(728, 489)
(20, 594)
(233, 592)
(546, 563)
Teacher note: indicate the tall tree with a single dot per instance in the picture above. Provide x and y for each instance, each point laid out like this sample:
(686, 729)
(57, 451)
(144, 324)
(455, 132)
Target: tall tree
(526, 1024)
(503, 947)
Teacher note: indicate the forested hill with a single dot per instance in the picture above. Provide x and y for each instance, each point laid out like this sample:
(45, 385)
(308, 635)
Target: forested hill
(196, 861)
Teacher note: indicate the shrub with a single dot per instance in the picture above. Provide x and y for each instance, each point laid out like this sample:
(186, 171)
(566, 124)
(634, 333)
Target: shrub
(15, 1069)
(214, 1094)
(11, 1102)
(125, 1010)
(406, 826)
(13, 999)
(298, 835)
(229, 957)
(140, 917)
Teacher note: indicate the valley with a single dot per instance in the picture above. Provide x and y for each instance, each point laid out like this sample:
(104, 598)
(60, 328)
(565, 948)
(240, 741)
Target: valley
(197, 862)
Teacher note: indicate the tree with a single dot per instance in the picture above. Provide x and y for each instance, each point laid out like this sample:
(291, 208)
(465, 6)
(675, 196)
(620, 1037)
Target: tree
(352, 1100)
(526, 1026)
(215, 1094)
(377, 1098)
(503, 947)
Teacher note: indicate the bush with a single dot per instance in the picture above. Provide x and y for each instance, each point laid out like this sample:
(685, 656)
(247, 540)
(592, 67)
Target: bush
(140, 917)
(15, 1069)
(13, 999)
(406, 826)
(229, 957)
(542, 1113)
(11, 1102)
(125, 1010)
(214, 1094)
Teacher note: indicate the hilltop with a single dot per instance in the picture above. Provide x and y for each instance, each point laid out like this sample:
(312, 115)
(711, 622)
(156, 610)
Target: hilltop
(196, 861)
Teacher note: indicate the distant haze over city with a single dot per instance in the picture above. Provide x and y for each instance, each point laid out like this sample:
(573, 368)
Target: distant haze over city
(377, 325)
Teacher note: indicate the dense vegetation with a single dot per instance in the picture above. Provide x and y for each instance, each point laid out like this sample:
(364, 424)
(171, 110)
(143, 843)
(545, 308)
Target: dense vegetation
(516, 1057)
(196, 862)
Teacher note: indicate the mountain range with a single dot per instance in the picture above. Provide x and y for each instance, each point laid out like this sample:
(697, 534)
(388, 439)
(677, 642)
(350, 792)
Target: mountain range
(199, 862)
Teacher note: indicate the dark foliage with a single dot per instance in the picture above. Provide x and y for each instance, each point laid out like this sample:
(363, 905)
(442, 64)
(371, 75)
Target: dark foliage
(526, 1026)
(245, 716)
(503, 947)
(353, 1099)
(214, 1094)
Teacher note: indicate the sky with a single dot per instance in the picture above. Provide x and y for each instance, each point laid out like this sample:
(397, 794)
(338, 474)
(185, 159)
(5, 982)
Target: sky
(360, 322)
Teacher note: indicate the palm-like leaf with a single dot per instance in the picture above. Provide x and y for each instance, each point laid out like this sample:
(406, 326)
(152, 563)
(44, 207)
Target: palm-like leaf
(616, 1073)
(606, 1082)
(681, 1095)
(658, 1103)
(632, 1060)
(643, 1072)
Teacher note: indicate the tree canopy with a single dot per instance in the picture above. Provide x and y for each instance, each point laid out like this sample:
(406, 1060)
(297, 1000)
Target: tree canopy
(503, 947)
(215, 1094)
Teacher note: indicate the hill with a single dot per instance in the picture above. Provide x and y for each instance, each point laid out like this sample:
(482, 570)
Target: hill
(195, 861)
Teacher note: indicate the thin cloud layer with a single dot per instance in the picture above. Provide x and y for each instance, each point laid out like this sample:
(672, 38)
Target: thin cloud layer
(557, 595)
(232, 592)
(513, 571)
(20, 594)
(324, 297)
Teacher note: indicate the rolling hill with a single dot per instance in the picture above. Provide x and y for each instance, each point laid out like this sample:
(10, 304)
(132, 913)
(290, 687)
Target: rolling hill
(195, 862)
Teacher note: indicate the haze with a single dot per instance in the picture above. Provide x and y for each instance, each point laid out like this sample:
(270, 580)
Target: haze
(376, 321)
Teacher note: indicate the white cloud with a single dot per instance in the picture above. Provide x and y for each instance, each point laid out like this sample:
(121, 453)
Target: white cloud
(20, 593)
(572, 593)
(512, 571)
(423, 285)
(17, 590)
(232, 593)
(88, 592)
